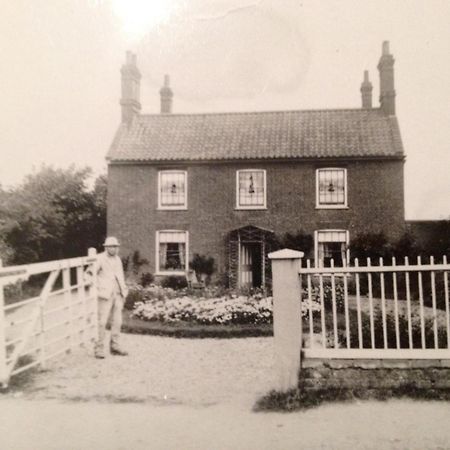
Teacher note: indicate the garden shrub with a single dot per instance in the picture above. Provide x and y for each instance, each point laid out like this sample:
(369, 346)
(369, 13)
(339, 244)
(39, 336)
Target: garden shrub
(174, 282)
(146, 279)
(390, 331)
(300, 241)
(202, 265)
(327, 294)
(134, 296)
(137, 262)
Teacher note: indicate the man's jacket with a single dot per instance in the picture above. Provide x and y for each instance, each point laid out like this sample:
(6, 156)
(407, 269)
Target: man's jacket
(109, 275)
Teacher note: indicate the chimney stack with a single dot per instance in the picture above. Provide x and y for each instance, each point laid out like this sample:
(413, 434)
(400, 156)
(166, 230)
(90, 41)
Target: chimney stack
(366, 91)
(131, 78)
(166, 96)
(387, 91)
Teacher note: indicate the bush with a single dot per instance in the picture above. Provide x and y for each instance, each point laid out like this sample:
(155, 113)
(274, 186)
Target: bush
(134, 296)
(300, 241)
(391, 335)
(138, 261)
(146, 279)
(327, 294)
(376, 245)
(202, 265)
(174, 282)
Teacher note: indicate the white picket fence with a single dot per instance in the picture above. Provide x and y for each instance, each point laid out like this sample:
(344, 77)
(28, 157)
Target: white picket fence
(62, 315)
(370, 311)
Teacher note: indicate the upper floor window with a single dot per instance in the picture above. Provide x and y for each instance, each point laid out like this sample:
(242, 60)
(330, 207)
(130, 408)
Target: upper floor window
(251, 189)
(331, 245)
(172, 189)
(171, 251)
(331, 188)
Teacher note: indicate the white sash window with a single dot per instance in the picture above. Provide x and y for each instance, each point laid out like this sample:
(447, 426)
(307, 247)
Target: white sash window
(172, 189)
(251, 189)
(331, 188)
(172, 252)
(331, 245)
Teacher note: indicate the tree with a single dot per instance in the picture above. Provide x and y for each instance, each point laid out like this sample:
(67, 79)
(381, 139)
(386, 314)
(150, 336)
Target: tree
(53, 215)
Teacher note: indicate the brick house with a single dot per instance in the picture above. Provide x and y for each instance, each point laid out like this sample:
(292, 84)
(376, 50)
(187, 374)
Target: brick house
(223, 184)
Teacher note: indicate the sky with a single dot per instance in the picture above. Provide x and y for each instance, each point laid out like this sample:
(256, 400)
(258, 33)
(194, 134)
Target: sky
(61, 59)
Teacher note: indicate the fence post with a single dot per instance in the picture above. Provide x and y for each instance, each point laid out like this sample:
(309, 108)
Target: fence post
(3, 366)
(287, 320)
(68, 303)
(92, 252)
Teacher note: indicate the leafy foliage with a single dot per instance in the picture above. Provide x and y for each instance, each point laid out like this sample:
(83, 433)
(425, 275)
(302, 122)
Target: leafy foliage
(300, 241)
(174, 282)
(376, 245)
(202, 265)
(52, 215)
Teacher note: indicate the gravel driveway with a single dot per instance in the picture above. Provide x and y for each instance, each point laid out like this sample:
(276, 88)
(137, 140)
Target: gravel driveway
(163, 370)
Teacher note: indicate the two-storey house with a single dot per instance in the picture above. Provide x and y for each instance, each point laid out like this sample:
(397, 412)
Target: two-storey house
(222, 184)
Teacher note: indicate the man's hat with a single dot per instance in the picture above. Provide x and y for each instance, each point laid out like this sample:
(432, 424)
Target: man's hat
(111, 241)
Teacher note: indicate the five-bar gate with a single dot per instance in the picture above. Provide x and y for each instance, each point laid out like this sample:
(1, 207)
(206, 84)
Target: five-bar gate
(59, 314)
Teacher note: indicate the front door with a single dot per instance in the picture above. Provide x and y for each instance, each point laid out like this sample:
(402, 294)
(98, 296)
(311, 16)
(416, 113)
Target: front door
(250, 270)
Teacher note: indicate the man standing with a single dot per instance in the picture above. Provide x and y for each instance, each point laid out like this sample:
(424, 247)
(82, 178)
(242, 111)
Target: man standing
(112, 292)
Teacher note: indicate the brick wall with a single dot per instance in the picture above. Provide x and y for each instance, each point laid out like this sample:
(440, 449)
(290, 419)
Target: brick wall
(375, 375)
(375, 200)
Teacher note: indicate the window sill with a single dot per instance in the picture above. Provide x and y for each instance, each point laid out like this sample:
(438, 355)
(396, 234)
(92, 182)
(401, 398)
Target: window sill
(168, 208)
(168, 273)
(251, 208)
(332, 207)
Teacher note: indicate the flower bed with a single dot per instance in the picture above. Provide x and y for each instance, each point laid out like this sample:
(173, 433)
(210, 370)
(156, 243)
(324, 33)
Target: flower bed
(213, 307)
(206, 311)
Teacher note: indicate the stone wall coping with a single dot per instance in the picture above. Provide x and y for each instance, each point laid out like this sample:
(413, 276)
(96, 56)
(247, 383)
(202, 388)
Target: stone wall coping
(286, 253)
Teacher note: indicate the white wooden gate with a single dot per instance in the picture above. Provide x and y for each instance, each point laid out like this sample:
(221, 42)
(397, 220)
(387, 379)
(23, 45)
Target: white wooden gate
(60, 317)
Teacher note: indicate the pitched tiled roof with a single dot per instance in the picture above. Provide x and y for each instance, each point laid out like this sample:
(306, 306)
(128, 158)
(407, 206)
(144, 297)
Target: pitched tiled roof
(258, 135)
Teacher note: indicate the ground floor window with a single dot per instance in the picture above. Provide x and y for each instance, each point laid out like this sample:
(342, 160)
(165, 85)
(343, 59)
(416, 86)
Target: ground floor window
(331, 245)
(172, 248)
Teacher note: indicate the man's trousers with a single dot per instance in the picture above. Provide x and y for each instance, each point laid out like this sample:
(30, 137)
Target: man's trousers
(112, 306)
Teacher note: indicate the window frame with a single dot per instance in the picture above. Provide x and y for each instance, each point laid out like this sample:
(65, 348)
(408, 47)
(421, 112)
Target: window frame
(158, 270)
(173, 207)
(331, 206)
(316, 245)
(251, 207)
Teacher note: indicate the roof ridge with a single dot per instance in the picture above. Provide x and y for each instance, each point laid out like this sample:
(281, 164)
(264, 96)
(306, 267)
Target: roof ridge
(282, 111)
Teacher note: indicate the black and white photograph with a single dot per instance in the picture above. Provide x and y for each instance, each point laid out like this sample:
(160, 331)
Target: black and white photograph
(225, 224)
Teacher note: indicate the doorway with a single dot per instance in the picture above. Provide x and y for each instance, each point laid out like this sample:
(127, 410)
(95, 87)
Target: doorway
(250, 267)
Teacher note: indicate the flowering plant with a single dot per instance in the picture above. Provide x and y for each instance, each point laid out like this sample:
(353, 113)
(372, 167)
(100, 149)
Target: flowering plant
(209, 306)
(208, 311)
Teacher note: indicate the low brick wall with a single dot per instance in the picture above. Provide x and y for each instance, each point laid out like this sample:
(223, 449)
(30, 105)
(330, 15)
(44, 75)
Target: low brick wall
(375, 375)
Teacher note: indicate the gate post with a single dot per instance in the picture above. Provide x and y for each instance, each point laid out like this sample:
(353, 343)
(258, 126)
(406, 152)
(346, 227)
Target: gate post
(3, 366)
(287, 321)
(92, 253)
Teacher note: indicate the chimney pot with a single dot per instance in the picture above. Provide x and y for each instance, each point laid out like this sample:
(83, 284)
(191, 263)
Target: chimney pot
(166, 94)
(130, 100)
(366, 91)
(387, 90)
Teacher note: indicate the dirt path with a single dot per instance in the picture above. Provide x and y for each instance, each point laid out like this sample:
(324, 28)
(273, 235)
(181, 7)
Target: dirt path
(196, 394)
(163, 370)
